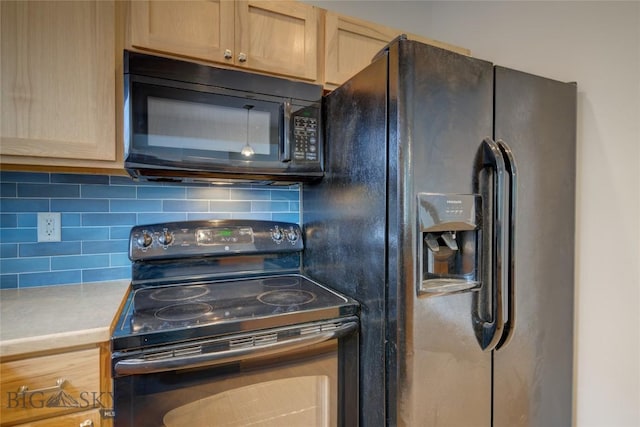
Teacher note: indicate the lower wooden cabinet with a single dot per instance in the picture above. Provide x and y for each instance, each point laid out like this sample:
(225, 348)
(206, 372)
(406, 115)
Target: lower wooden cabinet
(81, 419)
(62, 389)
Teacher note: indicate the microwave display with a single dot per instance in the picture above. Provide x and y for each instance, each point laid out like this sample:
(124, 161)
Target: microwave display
(185, 121)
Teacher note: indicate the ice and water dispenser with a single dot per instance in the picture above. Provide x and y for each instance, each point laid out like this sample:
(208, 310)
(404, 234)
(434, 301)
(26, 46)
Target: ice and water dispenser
(450, 240)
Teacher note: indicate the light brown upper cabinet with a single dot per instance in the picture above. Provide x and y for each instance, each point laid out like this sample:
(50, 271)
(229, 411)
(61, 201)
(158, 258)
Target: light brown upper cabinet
(277, 37)
(58, 81)
(351, 43)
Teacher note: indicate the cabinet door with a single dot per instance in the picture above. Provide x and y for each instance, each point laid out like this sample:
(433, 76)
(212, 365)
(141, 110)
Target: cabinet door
(350, 44)
(58, 79)
(82, 419)
(279, 37)
(52, 385)
(197, 29)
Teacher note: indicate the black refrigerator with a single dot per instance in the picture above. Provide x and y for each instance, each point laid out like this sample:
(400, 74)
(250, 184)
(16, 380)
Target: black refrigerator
(447, 209)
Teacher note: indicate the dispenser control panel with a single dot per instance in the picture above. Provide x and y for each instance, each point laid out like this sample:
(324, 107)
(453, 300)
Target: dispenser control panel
(449, 244)
(439, 212)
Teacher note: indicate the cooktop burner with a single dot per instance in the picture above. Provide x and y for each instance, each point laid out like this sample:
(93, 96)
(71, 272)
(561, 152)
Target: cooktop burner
(178, 293)
(188, 311)
(286, 297)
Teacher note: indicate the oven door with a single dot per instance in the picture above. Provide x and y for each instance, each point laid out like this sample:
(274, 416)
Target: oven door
(306, 380)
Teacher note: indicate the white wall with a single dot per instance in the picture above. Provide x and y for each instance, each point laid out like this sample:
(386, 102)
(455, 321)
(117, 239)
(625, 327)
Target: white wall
(596, 44)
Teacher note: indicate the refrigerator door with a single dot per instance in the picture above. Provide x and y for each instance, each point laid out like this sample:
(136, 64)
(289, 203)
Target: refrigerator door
(440, 112)
(344, 220)
(533, 370)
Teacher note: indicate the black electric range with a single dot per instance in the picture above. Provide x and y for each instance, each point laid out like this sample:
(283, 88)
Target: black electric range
(197, 280)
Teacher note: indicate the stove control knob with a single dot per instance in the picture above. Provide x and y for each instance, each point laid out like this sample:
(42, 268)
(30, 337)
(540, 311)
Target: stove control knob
(145, 240)
(292, 235)
(165, 238)
(277, 235)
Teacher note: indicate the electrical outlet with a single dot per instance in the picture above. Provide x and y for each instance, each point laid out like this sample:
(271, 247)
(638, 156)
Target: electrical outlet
(49, 227)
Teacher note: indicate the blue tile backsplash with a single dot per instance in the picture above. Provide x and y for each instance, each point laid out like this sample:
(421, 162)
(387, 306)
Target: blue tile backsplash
(97, 212)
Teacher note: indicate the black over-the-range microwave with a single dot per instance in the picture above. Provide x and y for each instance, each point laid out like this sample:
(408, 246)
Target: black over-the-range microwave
(185, 121)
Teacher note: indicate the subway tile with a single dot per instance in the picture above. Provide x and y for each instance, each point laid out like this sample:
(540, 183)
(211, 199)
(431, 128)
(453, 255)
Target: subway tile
(116, 233)
(71, 219)
(79, 205)
(108, 191)
(208, 216)
(72, 178)
(231, 206)
(49, 249)
(120, 260)
(8, 220)
(24, 265)
(285, 195)
(250, 194)
(209, 193)
(23, 177)
(49, 190)
(49, 278)
(136, 205)
(105, 246)
(78, 262)
(155, 218)
(8, 189)
(84, 233)
(95, 219)
(104, 274)
(24, 205)
(269, 206)
(8, 281)
(18, 235)
(185, 206)
(8, 250)
(263, 216)
(126, 180)
(157, 192)
(286, 217)
(27, 220)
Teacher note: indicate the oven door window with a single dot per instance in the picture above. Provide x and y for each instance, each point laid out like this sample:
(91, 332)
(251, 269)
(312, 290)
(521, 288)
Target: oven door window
(293, 390)
(196, 127)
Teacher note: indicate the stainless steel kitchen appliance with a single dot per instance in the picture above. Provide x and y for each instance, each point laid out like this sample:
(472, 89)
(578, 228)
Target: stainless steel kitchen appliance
(462, 260)
(220, 328)
(185, 121)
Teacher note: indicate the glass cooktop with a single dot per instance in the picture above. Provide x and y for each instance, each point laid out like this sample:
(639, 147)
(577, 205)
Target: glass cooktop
(164, 314)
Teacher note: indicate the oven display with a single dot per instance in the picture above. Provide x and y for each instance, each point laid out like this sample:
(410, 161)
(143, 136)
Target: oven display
(224, 236)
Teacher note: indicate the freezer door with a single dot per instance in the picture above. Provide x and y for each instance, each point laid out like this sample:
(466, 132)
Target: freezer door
(441, 105)
(532, 378)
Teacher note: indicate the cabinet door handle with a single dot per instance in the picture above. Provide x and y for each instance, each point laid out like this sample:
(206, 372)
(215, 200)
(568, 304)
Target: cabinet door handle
(242, 57)
(23, 389)
(86, 423)
(228, 54)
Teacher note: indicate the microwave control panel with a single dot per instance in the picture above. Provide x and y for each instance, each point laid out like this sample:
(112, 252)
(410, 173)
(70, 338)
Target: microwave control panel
(305, 138)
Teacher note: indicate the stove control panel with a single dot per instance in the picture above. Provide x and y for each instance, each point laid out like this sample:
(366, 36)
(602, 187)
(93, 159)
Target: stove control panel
(212, 238)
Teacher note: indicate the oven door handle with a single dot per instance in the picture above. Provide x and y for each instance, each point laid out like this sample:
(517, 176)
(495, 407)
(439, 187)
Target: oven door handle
(142, 366)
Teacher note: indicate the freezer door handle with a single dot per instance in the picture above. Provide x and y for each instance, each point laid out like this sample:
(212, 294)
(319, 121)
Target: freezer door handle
(510, 164)
(491, 312)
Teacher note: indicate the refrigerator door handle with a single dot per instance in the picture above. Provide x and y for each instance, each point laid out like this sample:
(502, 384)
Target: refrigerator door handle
(492, 300)
(510, 163)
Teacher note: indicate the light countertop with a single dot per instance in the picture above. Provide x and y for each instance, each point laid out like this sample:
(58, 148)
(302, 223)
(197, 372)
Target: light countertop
(51, 317)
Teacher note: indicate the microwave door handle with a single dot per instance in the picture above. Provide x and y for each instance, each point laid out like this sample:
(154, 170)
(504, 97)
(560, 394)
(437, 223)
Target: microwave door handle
(142, 366)
(285, 154)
